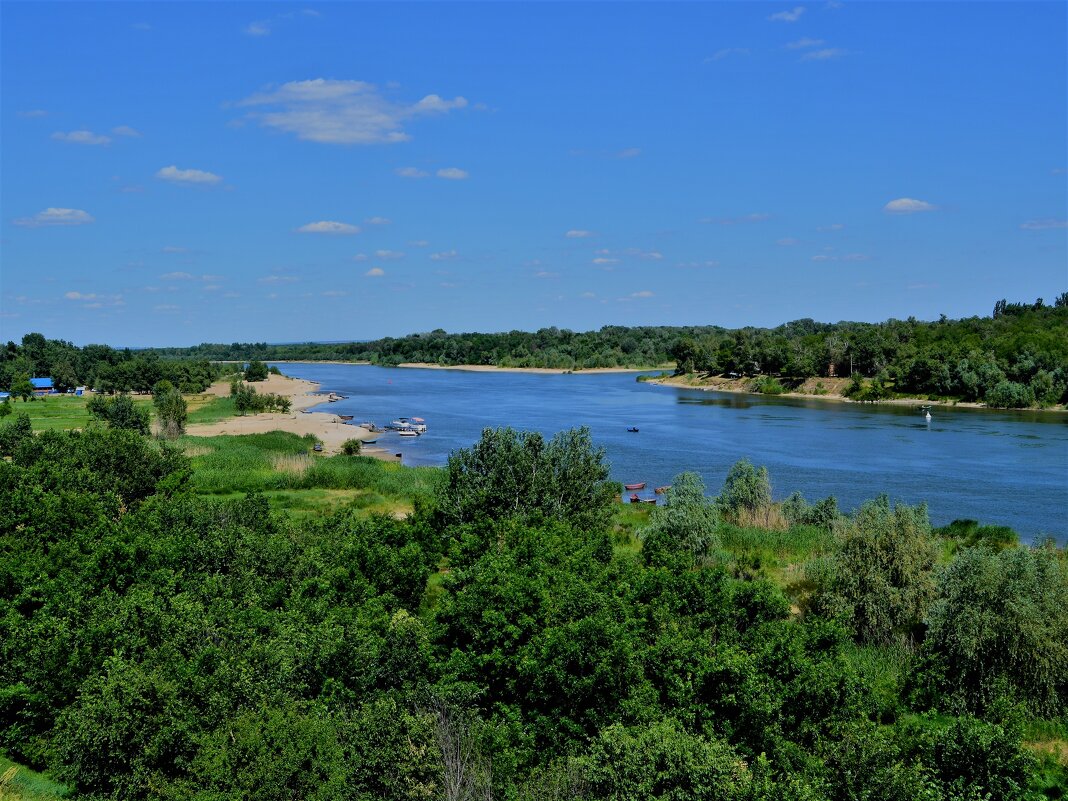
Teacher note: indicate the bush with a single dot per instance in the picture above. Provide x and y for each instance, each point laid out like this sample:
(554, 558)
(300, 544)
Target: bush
(767, 386)
(119, 412)
(745, 489)
(351, 447)
(256, 371)
(1010, 395)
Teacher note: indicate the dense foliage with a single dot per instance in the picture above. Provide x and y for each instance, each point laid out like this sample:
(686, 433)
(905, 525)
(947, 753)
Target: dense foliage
(505, 641)
(99, 367)
(1016, 357)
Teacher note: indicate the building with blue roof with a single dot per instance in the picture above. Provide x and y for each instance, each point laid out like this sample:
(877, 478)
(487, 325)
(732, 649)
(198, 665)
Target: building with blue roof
(42, 386)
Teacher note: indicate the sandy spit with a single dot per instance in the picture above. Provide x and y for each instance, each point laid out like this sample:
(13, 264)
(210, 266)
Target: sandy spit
(329, 428)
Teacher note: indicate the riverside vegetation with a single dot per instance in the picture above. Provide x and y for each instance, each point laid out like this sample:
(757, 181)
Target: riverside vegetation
(1017, 357)
(178, 626)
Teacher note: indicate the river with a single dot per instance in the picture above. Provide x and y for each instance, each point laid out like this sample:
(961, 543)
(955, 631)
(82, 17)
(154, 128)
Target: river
(999, 467)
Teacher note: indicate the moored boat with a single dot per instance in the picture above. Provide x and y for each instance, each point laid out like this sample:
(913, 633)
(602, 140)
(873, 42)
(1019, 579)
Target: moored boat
(638, 486)
(344, 417)
(662, 490)
(635, 499)
(633, 429)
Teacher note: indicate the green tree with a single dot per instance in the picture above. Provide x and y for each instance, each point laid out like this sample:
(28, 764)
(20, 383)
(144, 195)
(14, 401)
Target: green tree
(119, 412)
(64, 376)
(171, 409)
(256, 371)
(686, 522)
(880, 579)
(746, 489)
(351, 447)
(1000, 625)
(22, 388)
(517, 474)
(5, 407)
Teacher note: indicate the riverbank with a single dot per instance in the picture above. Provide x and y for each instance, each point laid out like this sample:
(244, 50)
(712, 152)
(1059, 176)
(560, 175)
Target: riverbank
(831, 389)
(331, 430)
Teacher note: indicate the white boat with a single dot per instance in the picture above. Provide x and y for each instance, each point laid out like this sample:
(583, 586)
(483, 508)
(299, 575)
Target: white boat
(408, 432)
(415, 424)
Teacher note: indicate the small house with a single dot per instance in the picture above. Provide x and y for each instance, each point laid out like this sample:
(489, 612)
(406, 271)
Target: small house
(42, 386)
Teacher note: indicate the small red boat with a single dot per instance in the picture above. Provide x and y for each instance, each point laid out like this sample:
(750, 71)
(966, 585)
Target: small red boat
(635, 499)
(638, 486)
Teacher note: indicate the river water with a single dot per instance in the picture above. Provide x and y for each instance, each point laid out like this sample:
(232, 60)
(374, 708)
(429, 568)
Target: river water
(999, 467)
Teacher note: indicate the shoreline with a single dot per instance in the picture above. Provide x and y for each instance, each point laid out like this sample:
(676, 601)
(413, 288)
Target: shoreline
(304, 395)
(739, 386)
(492, 368)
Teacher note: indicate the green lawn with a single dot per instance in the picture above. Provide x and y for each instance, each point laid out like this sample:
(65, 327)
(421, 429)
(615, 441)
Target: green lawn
(18, 783)
(62, 411)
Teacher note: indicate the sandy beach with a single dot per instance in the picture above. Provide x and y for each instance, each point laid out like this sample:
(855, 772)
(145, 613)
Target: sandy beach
(328, 427)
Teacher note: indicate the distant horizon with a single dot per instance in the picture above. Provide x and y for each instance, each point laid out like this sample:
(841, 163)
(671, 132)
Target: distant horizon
(354, 340)
(176, 172)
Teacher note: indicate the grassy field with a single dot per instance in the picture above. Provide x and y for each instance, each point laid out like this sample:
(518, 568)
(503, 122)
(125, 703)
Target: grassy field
(22, 784)
(283, 468)
(63, 411)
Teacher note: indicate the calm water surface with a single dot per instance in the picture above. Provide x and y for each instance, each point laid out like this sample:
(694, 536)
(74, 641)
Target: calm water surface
(1008, 468)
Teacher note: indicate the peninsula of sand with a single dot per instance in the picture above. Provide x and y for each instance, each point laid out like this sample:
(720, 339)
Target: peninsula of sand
(330, 429)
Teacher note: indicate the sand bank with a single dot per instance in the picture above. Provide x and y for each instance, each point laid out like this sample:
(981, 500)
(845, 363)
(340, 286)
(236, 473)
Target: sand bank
(327, 427)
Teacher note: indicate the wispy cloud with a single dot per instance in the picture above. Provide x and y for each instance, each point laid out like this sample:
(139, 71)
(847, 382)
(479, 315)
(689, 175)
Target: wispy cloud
(908, 205)
(793, 15)
(56, 216)
(826, 54)
(629, 153)
(175, 175)
(81, 138)
(375, 272)
(174, 249)
(278, 279)
(125, 130)
(1044, 224)
(831, 227)
(411, 172)
(452, 173)
(330, 227)
(578, 233)
(33, 113)
(341, 112)
(726, 52)
(334, 293)
(176, 276)
(378, 221)
(787, 241)
(748, 218)
(80, 296)
(419, 243)
(388, 254)
(804, 43)
(645, 293)
(264, 27)
(445, 255)
(546, 274)
(602, 260)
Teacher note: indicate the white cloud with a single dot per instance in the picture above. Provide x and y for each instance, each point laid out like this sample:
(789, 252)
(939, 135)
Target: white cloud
(81, 138)
(719, 55)
(831, 227)
(787, 241)
(176, 175)
(278, 279)
(334, 293)
(213, 278)
(587, 295)
(546, 274)
(174, 249)
(178, 276)
(341, 112)
(908, 205)
(444, 255)
(388, 254)
(33, 113)
(329, 227)
(803, 43)
(578, 234)
(125, 130)
(419, 243)
(55, 216)
(166, 307)
(605, 260)
(80, 296)
(452, 173)
(360, 257)
(1044, 224)
(261, 28)
(793, 15)
(375, 272)
(629, 153)
(378, 221)
(855, 257)
(826, 54)
(645, 293)
(411, 172)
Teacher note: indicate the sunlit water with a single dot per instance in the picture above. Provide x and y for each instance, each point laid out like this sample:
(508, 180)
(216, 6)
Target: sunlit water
(1008, 468)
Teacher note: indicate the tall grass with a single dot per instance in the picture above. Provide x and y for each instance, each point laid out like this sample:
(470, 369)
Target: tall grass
(19, 783)
(210, 409)
(281, 461)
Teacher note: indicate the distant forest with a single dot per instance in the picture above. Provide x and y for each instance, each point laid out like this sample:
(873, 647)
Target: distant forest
(1016, 357)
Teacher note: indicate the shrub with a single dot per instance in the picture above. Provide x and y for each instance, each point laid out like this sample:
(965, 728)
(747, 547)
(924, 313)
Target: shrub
(351, 447)
(745, 488)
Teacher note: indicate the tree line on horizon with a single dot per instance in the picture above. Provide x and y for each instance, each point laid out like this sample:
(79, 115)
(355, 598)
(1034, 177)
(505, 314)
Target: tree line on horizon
(508, 641)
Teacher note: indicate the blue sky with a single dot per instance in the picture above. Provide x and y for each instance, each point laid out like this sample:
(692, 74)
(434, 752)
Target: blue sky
(174, 173)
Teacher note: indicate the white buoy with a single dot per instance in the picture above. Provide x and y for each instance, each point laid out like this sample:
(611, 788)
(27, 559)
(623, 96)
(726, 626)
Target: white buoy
(928, 417)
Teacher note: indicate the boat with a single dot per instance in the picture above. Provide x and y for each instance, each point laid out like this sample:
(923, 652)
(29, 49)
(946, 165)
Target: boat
(662, 490)
(368, 425)
(407, 432)
(640, 485)
(318, 447)
(635, 499)
(344, 417)
(369, 441)
(633, 430)
(649, 500)
(415, 424)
